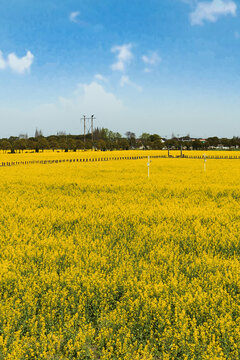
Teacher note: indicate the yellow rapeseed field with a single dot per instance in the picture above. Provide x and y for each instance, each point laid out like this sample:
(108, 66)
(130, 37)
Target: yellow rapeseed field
(100, 262)
(29, 155)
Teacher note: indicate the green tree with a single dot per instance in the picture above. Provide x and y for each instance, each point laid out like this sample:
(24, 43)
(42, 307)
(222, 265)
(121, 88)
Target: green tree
(53, 143)
(123, 144)
(145, 140)
(42, 143)
(79, 144)
(101, 145)
(131, 137)
(5, 145)
(20, 144)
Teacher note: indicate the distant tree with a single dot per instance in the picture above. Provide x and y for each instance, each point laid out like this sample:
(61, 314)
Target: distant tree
(79, 144)
(213, 141)
(101, 145)
(171, 143)
(12, 140)
(31, 143)
(145, 140)
(131, 137)
(105, 134)
(197, 145)
(123, 144)
(42, 143)
(60, 133)
(225, 142)
(88, 144)
(156, 144)
(186, 138)
(234, 142)
(100, 133)
(5, 145)
(63, 143)
(20, 144)
(71, 143)
(155, 137)
(118, 135)
(187, 145)
(96, 134)
(53, 143)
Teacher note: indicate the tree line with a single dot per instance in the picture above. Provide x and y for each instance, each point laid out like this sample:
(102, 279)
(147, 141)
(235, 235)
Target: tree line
(105, 139)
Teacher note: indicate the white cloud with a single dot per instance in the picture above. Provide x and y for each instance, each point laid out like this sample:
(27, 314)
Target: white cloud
(152, 59)
(211, 11)
(100, 77)
(73, 16)
(124, 56)
(20, 65)
(126, 81)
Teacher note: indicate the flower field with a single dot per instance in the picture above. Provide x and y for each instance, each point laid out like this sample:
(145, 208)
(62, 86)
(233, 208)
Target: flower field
(100, 262)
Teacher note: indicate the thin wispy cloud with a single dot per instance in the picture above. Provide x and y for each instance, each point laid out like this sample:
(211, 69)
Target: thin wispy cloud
(74, 16)
(17, 64)
(152, 59)
(126, 81)
(100, 77)
(212, 11)
(124, 56)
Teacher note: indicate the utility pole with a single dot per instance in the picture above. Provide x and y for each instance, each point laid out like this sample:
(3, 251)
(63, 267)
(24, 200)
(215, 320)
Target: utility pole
(92, 126)
(92, 118)
(84, 127)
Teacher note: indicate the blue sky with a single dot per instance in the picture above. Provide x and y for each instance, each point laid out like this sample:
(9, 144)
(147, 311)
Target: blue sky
(169, 66)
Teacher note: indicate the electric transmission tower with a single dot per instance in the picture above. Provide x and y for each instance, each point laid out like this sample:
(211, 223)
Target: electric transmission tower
(87, 127)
